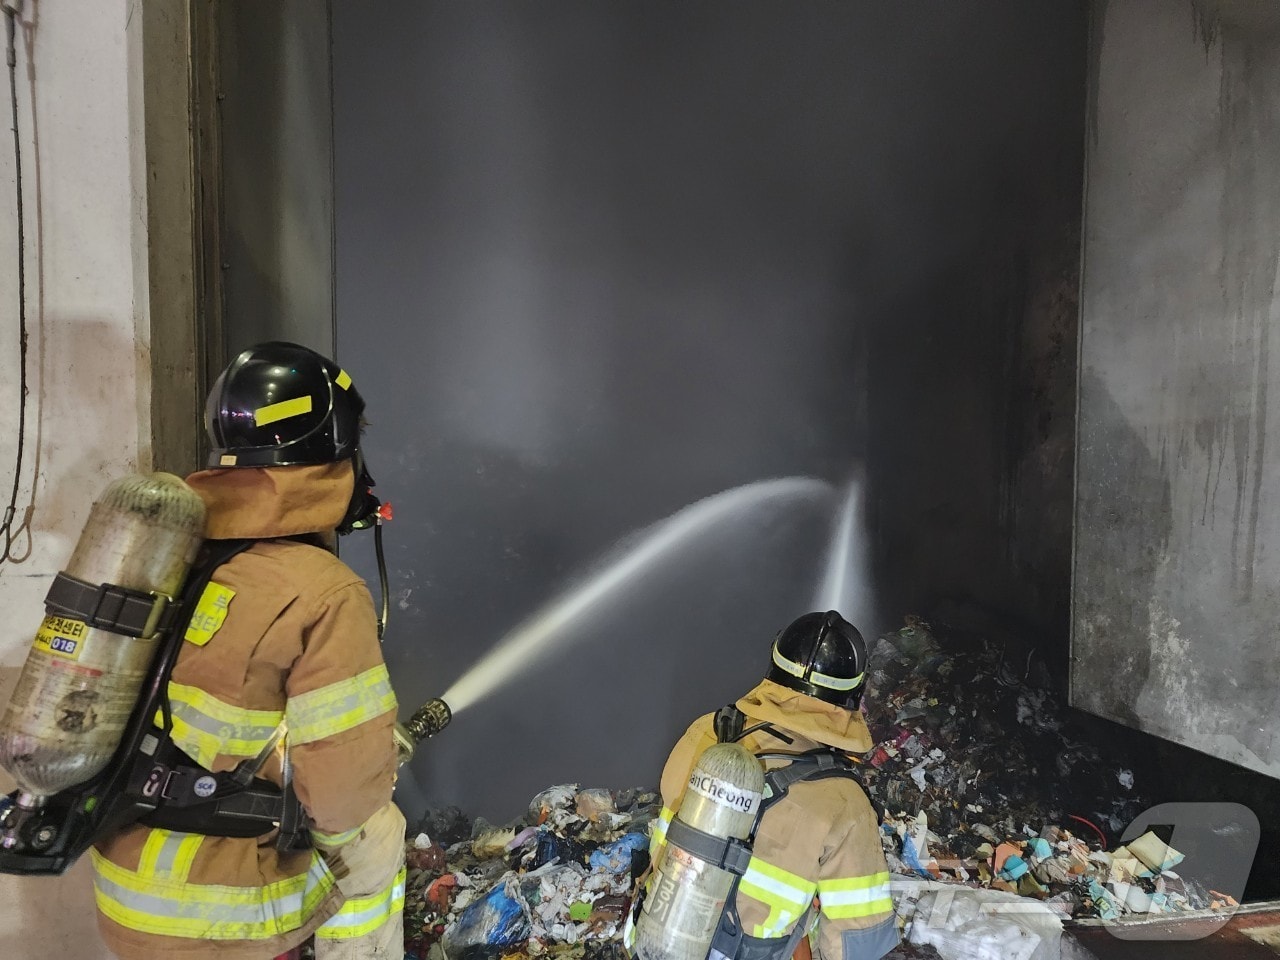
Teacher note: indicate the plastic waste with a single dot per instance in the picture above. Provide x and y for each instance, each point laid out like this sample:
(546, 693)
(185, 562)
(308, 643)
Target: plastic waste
(969, 924)
(616, 857)
(500, 918)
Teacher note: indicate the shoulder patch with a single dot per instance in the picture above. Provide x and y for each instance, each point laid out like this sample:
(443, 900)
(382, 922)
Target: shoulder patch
(210, 612)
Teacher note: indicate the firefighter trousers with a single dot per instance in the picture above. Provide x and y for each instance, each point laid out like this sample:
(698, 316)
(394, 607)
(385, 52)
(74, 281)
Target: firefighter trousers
(370, 873)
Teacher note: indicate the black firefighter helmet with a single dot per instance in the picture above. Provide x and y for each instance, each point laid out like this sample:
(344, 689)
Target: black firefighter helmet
(822, 655)
(279, 405)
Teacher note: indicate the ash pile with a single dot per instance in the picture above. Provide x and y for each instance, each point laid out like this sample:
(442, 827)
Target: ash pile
(554, 883)
(984, 780)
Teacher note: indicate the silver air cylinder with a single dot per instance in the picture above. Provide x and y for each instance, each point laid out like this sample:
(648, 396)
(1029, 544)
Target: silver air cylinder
(80, 684)
(687, 894)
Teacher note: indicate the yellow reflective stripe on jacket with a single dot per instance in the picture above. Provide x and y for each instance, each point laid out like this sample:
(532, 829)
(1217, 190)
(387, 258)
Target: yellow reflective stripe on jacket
(658, 832)
(168, 856)
(360, 916)
(335, 839)
(340, 706)
(204, 726)
(205, 911)
(855, 896)
(787, 896)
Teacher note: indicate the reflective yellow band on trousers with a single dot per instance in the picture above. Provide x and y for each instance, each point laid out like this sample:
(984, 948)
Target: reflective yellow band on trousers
(328, 711)
(206, 911)
(204, 726)
(363, 915)
(168, 856)
(851, 897)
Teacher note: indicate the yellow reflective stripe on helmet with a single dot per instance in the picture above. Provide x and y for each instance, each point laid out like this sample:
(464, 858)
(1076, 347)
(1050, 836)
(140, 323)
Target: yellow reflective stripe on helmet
(197, 911)
(282, 411)
(360, 916)
(168, 856)
(773, 885)
(204, 726)
(344, 380)
(816, 678)
(340, 706)
(849, 897)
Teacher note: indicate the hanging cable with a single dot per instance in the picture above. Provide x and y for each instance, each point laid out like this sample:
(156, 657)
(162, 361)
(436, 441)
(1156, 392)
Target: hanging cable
(11, 57)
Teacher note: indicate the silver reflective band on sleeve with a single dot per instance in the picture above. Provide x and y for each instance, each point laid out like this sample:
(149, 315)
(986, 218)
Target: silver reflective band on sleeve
(339, 707)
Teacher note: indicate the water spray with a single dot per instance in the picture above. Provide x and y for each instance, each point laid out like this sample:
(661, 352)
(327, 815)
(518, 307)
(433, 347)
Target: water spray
(846, 586)
(512, 655)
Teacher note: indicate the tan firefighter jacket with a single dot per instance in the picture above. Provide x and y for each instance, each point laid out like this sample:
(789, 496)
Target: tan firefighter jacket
(817, 859)
(285, 634)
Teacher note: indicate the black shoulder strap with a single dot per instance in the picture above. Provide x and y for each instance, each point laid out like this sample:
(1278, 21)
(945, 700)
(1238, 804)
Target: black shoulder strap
(214, 554)
(729, 723)
(822, 763)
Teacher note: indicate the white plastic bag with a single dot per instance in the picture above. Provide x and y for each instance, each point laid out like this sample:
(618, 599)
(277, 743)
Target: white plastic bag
(975, 924)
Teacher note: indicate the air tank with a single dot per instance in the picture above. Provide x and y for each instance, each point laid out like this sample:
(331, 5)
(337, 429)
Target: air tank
(687, 894)
(80, 683)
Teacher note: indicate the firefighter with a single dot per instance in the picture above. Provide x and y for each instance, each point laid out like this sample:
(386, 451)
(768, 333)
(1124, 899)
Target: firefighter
(816, 863)
(281, 663)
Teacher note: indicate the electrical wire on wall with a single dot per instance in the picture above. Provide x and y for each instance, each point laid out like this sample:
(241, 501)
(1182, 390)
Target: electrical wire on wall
(7, 529)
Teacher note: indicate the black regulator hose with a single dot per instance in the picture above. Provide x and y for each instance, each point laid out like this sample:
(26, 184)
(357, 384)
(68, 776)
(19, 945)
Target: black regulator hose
(382, 578)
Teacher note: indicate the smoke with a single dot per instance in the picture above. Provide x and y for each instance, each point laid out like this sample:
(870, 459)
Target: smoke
(599, 261)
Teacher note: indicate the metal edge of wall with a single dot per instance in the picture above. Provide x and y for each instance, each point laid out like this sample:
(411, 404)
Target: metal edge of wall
(206, 101)
(1094, 17)
(181, 299)
(333, 190)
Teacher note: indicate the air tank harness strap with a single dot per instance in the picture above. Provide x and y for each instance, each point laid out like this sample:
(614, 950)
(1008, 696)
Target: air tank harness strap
(190, 799)
(108, 606)
(812, 765)
(729, 723)
(727, 853)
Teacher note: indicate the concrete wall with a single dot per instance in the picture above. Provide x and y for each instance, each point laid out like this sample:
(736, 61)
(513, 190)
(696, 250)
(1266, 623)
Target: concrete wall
(1179, 458)
(79, 96)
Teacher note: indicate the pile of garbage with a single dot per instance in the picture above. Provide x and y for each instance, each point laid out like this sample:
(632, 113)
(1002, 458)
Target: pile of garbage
(983, 782)
(555, 883)
(982, 779)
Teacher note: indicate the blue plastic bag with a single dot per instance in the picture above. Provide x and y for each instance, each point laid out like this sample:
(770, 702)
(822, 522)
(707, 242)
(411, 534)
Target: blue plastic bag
(497, 919)
(616, 857)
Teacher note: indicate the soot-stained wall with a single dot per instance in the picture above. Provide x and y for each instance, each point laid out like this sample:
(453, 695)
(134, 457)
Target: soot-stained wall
(1176, 601)
(598, 261)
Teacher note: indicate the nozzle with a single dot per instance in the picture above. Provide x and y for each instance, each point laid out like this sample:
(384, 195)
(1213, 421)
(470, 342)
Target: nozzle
(430, 718)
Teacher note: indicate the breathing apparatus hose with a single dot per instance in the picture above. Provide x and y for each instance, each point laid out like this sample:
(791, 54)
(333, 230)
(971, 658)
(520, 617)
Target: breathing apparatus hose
(382, 577)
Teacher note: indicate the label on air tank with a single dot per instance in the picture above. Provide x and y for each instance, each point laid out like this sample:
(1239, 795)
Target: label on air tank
(62, 637)
(724, 793)
(64, 692)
